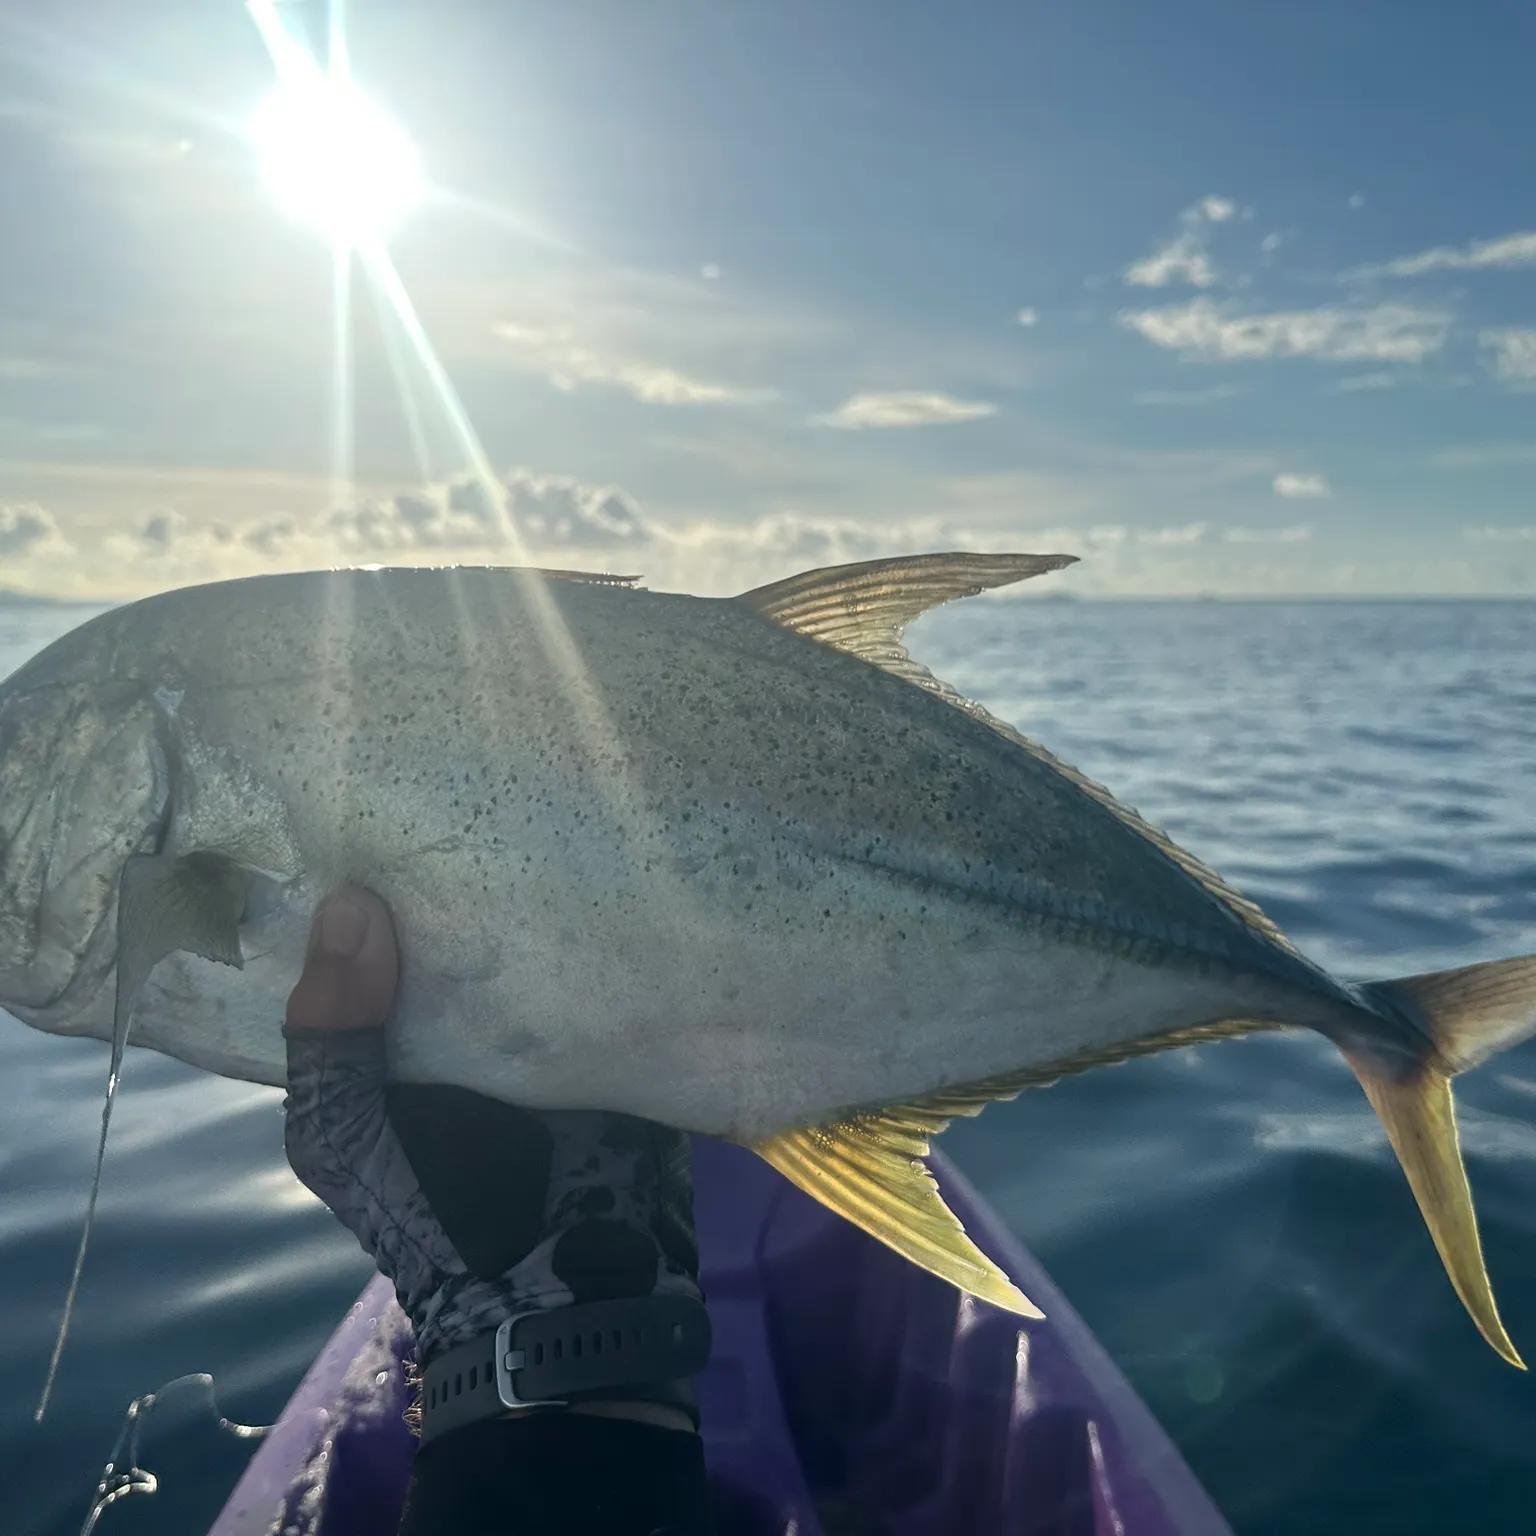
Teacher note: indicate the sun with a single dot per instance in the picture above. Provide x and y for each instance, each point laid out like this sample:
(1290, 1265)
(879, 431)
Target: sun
(333, 159)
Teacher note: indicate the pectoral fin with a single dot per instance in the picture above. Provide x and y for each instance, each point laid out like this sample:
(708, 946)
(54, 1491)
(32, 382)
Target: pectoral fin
(195, 903)
(869, 1169)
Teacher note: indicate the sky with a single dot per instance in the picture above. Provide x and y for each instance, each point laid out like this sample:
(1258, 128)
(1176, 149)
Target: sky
(1226, 299)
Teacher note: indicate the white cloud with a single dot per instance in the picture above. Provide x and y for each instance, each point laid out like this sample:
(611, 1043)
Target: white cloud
(1301, 487)
(159, 532)
(1271, 242)
(26, 530)
(1514, 352)
(544, 512)
(709, 554)
(1189, 533)
(1298, 533)
(568, 363)
(666, 386)
(1205, 329)
(1517, 250)
(168, 545)
(1028, 317)
(727, 557)
(269, 536)
(557, 509)
(1184, 259)
(411, 521)
(1356, 201)
(532, 518)
(1188, 396)
(904, 408)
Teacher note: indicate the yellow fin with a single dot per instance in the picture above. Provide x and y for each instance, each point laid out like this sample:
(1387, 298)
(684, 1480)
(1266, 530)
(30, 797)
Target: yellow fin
(1421, 1124)
(868, 1167)
(1470, 1013)
(1456, 1019)
(863, 608)
(870, 1170)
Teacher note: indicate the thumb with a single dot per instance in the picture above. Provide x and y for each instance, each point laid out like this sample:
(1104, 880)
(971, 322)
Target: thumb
(352, 967)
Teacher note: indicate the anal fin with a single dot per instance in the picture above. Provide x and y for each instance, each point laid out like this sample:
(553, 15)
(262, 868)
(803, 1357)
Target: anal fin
(869, 1169)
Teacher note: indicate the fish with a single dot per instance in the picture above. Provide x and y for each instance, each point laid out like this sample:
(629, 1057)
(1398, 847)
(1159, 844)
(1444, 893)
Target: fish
(741, 866)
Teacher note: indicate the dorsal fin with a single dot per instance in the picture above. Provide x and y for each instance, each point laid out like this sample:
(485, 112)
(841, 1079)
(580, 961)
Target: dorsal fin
(863, 608)
(593, 578)
(597, 578)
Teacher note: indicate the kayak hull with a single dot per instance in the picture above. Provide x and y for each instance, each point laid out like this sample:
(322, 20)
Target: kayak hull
(847, 1390)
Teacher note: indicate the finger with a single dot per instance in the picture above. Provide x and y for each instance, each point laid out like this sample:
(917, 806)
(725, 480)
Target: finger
(352, 967)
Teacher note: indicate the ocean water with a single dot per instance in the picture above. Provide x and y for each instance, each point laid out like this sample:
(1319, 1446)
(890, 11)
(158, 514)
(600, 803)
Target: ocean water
(1229, 1220)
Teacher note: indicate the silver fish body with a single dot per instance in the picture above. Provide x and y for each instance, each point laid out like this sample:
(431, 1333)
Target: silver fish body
(649, 853)
(684, 858)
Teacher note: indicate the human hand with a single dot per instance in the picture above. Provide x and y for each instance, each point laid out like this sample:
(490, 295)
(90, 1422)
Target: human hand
(352, 967)
(481, 1212)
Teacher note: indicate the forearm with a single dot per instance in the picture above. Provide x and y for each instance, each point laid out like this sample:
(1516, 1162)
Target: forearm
(339, 1135)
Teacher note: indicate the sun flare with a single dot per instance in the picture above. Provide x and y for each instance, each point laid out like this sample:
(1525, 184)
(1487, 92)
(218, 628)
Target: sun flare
(334, 160)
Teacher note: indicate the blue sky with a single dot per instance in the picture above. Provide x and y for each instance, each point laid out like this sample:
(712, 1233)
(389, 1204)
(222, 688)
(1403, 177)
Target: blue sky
(1225, 298)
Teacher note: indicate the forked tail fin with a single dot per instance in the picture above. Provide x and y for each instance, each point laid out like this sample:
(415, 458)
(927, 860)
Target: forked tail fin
(1466, 1016)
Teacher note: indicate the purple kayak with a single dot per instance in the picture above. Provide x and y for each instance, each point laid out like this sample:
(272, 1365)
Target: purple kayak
(848, 1391)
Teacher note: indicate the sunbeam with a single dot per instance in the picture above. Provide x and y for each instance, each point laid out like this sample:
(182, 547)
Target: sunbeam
(389, 329)
(343, 423)
(369, 176)
(386, 280)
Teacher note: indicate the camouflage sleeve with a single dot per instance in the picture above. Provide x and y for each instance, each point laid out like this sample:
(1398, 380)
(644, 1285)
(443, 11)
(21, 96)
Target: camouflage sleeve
(606, 1210)
(613, 1217)
(341, 1146)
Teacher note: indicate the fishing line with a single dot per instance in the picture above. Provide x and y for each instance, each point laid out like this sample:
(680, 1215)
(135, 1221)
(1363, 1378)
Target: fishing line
(116, 1484)
(85, 1239)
